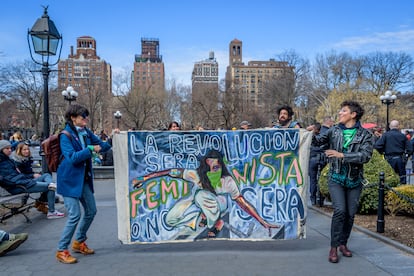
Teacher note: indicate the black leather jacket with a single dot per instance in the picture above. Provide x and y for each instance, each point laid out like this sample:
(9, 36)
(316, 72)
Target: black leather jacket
(359, 151)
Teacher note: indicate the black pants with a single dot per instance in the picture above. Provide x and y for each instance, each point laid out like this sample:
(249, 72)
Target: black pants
(345, 202)
(315, 166)
(398, 164)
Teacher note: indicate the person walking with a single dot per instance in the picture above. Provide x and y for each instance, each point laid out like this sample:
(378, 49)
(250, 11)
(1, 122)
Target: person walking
(75, 181)
(396, 149)
(349, 146)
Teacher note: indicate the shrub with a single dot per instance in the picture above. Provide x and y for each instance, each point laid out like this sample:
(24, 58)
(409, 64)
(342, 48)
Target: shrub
(368, 202)
(396, 203)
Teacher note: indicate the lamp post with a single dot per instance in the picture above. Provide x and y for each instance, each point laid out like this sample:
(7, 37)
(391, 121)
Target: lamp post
(69, 94)
(45, 38)
(118, 116)
(387, 99)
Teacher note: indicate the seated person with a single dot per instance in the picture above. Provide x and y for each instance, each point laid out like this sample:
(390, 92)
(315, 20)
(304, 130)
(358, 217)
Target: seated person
(23, 160)
(13, 178)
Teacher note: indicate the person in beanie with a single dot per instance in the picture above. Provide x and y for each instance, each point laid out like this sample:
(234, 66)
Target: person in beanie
(245, 125)
(75, 182)
(12, 178)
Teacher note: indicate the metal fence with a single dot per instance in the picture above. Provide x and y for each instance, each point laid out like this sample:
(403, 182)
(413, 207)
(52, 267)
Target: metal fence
(382, 187)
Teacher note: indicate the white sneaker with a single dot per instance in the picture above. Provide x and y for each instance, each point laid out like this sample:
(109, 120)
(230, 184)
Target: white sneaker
(55, 215)
(52, 186)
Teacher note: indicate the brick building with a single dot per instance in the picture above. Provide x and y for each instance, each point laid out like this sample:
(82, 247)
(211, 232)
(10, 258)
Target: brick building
(91, 77)
(254, 80)
(148, 67)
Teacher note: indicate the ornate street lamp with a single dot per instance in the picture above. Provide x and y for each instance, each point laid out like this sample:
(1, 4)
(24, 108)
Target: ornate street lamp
(387, 99)
(118, 116)
(69, 94)
(45, 38)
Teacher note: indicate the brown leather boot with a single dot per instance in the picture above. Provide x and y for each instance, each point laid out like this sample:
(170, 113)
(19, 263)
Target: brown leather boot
(345, 251)
(333, 255)
(41, 207)
(65, 257)
(81, 247)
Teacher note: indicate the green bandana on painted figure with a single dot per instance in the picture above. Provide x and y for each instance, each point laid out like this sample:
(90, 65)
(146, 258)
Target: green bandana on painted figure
(215, 178)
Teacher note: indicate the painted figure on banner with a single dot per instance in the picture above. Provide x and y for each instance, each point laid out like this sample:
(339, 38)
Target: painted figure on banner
(210, 202)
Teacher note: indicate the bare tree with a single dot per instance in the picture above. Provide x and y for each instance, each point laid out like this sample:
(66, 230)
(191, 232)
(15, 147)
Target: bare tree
(301, 65)
(333, 72)
(22, 83)
(205, 104)
(386, 71)
(173, 104)
(96, 98)
(139, 107)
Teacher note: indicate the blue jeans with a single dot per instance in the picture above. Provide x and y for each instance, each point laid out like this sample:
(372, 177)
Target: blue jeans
(2, 234)
(345, 202)
(41, 185)
(72, 206)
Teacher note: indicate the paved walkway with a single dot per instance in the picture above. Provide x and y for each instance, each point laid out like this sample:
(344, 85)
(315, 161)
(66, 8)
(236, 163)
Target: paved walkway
(214, 257)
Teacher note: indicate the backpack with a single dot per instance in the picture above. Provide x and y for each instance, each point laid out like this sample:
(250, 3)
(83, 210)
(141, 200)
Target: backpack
(51, 150)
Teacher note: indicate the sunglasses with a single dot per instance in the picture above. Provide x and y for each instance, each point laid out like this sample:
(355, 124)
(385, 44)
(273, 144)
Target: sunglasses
(84, 115)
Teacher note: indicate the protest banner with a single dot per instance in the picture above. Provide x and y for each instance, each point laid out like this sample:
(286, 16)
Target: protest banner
(190, 185)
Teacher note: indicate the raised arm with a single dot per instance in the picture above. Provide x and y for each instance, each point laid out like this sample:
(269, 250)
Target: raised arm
(176, 173)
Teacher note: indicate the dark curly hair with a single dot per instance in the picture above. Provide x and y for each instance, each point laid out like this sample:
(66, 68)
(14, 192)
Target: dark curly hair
(287, 108)
(173, 123)
(75, 110)
(354, 107)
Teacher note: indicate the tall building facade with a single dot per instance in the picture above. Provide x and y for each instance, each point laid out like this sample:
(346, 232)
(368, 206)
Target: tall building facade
(205, 91)
(148, 71)
(252, 80)
(205, 76)
(91, 77)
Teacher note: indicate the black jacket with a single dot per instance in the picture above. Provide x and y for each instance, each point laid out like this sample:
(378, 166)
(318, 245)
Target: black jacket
(393, 143)
(12, 177)
(359, 151)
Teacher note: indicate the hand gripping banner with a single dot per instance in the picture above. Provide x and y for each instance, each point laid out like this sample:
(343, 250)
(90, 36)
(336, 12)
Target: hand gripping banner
(190, 185)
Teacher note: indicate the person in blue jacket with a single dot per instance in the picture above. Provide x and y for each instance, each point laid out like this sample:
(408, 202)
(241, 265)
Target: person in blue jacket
(75, 181)
(15, 181)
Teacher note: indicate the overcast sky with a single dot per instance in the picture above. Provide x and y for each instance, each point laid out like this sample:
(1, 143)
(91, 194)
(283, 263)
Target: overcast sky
(189, 30)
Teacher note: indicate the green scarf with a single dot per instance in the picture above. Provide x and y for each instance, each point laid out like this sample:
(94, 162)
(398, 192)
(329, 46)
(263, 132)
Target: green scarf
(215, 178)
(348, 136)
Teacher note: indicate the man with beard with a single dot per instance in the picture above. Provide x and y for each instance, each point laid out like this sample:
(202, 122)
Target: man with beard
(285, 114)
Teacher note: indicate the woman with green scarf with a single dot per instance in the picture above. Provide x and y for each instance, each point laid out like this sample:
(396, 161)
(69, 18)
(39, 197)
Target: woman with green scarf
(349, 146)
(215, 185)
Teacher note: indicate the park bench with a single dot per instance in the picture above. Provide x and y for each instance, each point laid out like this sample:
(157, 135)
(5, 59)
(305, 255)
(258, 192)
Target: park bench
(11, 205)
